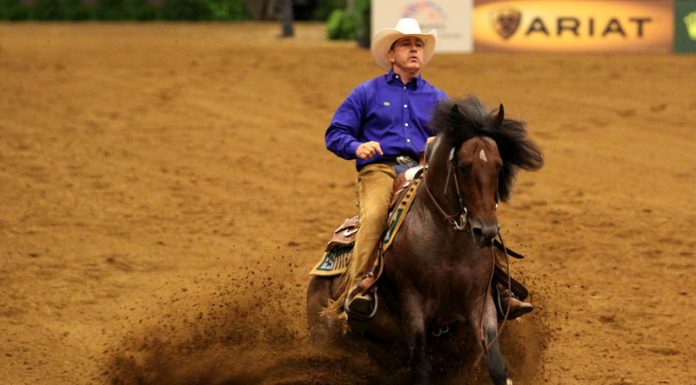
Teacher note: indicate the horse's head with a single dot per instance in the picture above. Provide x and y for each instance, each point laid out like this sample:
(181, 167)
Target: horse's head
(477, 156)
(477, 164)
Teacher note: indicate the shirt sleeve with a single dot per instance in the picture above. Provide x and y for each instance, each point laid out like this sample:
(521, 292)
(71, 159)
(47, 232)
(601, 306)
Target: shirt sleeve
(341, 136)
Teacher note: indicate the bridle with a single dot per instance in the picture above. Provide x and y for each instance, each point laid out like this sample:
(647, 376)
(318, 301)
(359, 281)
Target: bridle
(458, 220)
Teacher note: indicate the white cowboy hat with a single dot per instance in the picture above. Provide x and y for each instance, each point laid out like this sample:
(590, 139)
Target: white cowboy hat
(384, 39)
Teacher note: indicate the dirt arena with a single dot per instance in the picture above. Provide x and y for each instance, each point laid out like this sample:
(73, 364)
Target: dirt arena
(165, 190)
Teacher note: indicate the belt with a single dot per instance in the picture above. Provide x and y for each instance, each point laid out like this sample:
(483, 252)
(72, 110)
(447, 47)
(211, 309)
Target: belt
(405, 159)
(400, 160)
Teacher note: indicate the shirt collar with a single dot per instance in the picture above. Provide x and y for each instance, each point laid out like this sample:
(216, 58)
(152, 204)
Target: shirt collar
(416, 82)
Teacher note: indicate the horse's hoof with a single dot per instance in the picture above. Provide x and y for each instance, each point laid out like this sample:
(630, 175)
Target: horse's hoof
(508, 382)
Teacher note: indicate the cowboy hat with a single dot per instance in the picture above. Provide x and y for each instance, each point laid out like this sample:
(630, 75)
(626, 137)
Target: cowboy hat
(405, 27)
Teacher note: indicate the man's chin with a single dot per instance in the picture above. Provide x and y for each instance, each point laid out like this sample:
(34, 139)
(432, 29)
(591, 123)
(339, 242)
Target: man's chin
(413, 65)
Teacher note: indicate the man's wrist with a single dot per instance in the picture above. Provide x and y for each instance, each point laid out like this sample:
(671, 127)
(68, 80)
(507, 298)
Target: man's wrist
(353, 148)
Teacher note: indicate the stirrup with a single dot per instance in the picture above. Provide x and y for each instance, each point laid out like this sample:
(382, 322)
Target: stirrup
(360, 307)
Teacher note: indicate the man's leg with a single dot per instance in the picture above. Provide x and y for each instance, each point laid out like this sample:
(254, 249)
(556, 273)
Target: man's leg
(375, 189)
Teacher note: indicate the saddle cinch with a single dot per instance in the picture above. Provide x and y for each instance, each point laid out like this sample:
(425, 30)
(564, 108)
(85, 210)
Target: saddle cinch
(338, 252)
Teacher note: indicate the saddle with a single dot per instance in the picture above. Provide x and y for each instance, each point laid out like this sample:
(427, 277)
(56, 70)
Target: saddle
(339, 249)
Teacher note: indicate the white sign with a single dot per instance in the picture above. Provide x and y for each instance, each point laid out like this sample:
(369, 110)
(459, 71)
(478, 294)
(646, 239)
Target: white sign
(451, 19)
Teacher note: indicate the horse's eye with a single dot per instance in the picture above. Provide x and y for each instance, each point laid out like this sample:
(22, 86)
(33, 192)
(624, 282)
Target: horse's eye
(464, 169)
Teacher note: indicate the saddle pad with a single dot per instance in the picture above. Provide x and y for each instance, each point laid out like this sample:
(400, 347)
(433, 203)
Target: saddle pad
(333, 262)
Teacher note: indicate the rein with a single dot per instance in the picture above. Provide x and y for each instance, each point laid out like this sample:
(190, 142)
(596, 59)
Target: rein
(487, 346)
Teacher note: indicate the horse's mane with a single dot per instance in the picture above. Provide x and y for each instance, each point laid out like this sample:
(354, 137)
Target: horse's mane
(459, 120)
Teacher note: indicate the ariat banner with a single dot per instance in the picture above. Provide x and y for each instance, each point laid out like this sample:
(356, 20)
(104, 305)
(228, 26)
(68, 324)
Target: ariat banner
(685, 26)
(574, 25)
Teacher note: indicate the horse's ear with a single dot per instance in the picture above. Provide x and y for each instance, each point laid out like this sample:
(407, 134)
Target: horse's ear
(501, 116)
(455, 109)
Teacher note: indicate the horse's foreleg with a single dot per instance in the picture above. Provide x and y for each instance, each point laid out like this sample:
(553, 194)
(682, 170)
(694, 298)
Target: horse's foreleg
(486, 330)
(414, 325)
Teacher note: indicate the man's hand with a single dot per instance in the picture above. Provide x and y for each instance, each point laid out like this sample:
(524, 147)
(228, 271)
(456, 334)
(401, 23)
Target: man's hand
(368, 149)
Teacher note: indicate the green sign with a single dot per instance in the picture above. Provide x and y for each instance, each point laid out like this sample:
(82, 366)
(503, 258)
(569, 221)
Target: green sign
(685, 26)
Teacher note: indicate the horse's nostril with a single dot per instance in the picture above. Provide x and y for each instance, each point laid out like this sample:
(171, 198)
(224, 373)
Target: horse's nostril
(477, 231)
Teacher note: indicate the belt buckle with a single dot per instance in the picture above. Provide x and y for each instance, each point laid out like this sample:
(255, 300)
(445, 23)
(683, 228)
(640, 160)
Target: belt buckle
(403, 160)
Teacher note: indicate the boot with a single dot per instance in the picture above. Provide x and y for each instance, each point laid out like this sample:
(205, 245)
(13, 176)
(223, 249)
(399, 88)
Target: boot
(517, 307)
(361, 305)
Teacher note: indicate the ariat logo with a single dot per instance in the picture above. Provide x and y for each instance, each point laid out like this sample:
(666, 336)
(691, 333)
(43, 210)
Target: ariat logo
(387, 104)
(506, 21)
(690, 21)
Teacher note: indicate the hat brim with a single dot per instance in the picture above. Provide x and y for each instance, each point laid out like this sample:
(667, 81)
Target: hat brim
(385, 38)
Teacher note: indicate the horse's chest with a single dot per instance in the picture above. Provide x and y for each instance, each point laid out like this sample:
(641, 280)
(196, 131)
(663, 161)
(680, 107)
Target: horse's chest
(449, 289)
(451, 274)
(450, 283)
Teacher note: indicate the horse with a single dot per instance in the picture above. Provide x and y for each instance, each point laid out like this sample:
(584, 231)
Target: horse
(439, 268)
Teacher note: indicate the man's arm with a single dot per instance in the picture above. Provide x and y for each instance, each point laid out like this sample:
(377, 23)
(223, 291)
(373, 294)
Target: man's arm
(342, 135)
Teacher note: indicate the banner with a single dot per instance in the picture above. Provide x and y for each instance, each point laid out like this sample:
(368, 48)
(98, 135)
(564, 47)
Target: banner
(574, 25)
(685, 26)
(451, 19)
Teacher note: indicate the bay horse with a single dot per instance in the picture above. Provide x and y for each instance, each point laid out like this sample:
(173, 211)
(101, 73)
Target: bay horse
(438, 270)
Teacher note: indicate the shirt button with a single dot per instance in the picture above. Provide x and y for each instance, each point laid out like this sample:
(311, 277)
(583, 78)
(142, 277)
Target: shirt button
(405, 105)
(408, 140)
(406, 124)
(404, 87)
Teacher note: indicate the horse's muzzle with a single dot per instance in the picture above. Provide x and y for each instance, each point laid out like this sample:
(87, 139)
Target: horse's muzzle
(483, 233)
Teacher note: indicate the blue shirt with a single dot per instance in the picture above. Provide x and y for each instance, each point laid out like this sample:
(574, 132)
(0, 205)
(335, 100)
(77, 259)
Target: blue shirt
(386, 111)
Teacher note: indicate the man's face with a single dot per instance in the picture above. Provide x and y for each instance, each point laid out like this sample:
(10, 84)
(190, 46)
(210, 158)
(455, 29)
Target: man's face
(407, 54)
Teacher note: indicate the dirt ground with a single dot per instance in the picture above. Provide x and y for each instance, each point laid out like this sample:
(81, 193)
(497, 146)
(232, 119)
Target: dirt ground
(165, 190)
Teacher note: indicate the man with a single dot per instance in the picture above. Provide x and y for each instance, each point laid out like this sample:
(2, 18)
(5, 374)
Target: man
(383, 124)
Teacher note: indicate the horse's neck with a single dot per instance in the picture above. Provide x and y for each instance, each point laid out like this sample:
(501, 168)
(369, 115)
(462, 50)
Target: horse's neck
(434, 228)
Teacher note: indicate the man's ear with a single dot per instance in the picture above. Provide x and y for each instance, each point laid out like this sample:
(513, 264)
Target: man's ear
(390, 56)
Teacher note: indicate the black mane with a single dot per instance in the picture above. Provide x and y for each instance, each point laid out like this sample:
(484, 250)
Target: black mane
(459, 120)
